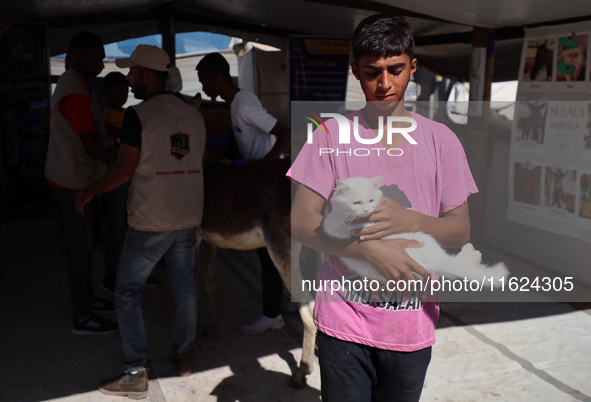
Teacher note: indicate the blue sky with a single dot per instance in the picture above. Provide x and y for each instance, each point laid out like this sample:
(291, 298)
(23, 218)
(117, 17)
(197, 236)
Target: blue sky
(191, 42)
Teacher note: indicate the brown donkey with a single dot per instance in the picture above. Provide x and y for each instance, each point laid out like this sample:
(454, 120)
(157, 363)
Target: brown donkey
(246, 208)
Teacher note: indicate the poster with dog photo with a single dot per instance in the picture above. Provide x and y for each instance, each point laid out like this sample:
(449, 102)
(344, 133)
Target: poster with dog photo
(529, 126)
(571, 63)
(560, 190)
(537, 64)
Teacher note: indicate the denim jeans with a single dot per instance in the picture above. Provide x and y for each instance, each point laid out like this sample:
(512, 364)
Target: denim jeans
(141, 252)
(80, 229)
(355, 372)
(115, 226)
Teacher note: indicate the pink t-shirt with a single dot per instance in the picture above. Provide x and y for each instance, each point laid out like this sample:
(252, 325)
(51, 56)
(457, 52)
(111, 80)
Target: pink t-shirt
(431, 177)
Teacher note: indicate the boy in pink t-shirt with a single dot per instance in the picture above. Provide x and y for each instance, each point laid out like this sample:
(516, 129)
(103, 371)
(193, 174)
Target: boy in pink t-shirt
(371, 349)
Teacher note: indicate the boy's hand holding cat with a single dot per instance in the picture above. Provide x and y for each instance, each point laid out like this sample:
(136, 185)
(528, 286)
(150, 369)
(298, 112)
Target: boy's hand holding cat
(390, 218)
(390, 259)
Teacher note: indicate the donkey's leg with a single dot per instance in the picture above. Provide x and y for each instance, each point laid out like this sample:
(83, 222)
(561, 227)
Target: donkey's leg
(284, 257)
(198, 241)
(306, 309)
(298, 378)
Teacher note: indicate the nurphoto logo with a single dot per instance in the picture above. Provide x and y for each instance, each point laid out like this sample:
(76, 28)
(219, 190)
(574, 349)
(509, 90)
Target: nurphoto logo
(344, 137)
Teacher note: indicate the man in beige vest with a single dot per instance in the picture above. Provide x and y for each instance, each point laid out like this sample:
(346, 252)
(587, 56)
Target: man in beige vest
(162, 147)
(77, 156)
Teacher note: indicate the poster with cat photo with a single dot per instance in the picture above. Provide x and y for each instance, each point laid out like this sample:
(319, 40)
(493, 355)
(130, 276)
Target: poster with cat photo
(550, 148)
(571, 63)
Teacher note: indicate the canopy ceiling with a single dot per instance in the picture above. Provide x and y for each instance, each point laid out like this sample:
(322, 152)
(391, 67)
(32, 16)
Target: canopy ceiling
(443, 28)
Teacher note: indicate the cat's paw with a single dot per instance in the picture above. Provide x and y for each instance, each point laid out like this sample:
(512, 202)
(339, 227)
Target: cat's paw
(470, 254)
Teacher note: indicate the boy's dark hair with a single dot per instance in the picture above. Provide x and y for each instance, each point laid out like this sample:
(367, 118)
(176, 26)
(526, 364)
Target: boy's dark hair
(214, 63)
(114, 78)
(383, 36)
(85, 40)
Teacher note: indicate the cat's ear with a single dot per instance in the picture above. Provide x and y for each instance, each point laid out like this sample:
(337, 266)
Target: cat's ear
(377, 181)
(342, 185)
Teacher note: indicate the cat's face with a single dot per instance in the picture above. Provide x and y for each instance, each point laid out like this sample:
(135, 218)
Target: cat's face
(357, 196)
(572, 56)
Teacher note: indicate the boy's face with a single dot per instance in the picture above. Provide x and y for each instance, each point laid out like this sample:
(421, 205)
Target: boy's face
(117, 95)
(384, 79)
(209, 83)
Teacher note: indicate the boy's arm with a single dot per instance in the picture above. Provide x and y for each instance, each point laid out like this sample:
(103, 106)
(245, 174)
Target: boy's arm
(388, 256)
(451, 229)
(113, 131)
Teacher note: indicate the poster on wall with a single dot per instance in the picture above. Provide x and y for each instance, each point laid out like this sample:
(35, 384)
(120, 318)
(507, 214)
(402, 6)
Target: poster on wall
(24, 111)
(550, 157)
(318, 68)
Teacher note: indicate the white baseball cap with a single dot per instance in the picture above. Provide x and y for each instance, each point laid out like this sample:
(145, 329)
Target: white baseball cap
(147, 56)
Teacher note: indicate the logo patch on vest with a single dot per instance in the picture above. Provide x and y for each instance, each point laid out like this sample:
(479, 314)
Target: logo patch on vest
(179, 145)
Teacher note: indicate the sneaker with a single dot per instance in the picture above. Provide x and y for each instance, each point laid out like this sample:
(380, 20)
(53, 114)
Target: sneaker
(133, 386)
(289, 307)
(183, 362)
(262, 324)
(93, 325)
(102, 306)
(153, 282)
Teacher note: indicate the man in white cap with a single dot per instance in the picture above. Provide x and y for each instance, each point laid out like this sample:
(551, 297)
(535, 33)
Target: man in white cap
(162, 147)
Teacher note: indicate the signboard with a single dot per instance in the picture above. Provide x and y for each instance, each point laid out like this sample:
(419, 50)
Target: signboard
(550, 158)
(318, 69)
(24, 111)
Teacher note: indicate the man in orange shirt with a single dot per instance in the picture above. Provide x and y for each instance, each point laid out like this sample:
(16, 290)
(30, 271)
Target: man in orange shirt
(77, 156)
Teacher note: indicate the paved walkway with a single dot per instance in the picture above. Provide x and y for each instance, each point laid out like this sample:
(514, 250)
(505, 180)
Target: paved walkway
(484, 352)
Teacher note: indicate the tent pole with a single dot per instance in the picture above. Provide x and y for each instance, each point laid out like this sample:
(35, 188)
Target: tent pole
(168, 36)
(477, 143)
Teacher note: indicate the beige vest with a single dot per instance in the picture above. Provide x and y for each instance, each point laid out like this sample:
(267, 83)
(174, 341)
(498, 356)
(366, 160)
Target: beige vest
(67, 162)
(166, 191)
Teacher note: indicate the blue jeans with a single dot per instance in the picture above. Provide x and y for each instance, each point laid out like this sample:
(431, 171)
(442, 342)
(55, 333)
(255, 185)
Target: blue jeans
(141, 252)
(355, 372)
(115, 226)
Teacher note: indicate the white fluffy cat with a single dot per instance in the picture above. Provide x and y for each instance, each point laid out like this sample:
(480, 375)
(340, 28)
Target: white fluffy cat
(357, 197)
